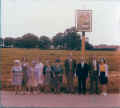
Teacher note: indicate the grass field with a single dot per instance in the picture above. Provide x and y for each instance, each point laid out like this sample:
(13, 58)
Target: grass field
(7, 55)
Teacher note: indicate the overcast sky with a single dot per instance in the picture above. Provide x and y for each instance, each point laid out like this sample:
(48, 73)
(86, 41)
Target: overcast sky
(48, 17)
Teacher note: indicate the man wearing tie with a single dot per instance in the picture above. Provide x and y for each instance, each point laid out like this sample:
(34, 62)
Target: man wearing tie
(94, 67)
(82, 74)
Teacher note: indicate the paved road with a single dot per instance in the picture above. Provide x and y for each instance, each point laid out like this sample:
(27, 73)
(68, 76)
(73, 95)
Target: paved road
(61, 100)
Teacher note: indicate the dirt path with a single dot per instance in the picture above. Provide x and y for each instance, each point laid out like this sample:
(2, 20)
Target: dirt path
(62, 100)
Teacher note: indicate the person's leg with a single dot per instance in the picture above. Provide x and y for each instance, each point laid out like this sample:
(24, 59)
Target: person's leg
(96, 85)
(31, 92)
(55, 87)
(34, 90)
(29, 88)
(59, 84)
(91, 85)
(105, 88)
(79, 85)
(84, 85)
(23, 90)
(39, 88)
(72, 84)
(16, 89)
(68, 83)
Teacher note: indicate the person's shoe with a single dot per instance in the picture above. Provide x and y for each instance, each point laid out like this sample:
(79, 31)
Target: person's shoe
(79, 93)
(105, 94)
(97, 92)
(91, 93)
(16, 93)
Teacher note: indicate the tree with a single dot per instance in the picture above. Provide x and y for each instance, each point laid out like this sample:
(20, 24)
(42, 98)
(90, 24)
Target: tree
(44, 42)
(18, 43)
(29, 40)
(88, 46)
(72, 40)
(8, 41)
(1, 40)
(58, 40)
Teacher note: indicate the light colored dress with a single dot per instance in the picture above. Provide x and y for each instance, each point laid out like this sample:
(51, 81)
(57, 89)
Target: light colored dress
(31, 79)
(17, 75)
(38, 73)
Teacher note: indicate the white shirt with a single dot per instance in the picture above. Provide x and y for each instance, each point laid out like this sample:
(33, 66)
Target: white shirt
(95, 64)
(82, 64)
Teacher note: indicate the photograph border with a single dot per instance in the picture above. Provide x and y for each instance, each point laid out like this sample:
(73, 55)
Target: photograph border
(2, 106)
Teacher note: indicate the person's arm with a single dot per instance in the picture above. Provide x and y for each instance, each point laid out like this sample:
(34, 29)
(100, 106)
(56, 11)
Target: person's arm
(66, 64)
(44, 70)
(87, 67)
(62, 70)
(77, 69)
(106, 70)
(12, 72)
(53, 71)
(75, 65)
(99, 70)
(21, 70)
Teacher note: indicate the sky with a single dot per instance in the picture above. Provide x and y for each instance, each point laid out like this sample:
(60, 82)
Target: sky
(48, 17)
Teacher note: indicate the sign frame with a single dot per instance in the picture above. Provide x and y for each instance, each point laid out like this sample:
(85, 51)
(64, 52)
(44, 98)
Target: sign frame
(78, 12)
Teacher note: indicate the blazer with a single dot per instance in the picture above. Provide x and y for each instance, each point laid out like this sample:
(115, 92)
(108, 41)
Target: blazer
(91, 69)
(82, 72)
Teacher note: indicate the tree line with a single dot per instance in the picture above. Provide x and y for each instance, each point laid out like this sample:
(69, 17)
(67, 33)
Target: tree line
(69, 40)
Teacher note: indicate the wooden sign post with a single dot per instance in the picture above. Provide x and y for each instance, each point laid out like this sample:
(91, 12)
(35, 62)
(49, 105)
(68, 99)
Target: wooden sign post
(83, 23)
(83, 43)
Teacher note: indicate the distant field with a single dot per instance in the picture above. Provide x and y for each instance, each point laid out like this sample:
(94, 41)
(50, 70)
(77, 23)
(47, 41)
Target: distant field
(7, 55)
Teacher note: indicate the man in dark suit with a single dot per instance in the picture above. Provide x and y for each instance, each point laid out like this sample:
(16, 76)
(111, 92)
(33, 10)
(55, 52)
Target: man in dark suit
(70, 68)
(82, 74)
(93, 73)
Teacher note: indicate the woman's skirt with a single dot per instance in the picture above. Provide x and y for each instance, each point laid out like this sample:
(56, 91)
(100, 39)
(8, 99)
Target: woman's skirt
(103, 78)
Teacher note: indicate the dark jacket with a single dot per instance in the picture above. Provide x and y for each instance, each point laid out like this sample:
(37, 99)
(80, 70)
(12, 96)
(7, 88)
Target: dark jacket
(45, 69)
(91, 69)
(57, 70)
(67, 66)
(82, 72)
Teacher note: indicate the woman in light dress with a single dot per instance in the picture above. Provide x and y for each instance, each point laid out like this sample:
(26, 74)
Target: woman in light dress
(17, 76)
(38, 74)
(32, 85)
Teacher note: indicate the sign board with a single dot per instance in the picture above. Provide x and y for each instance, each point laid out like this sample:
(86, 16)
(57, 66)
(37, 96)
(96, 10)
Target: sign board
(83, 20)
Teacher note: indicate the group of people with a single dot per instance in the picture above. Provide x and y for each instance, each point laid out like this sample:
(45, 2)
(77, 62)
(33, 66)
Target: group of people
(36, 77)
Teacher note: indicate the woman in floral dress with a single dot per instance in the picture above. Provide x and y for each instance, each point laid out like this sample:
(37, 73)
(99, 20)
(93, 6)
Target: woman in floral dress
(17, 76)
